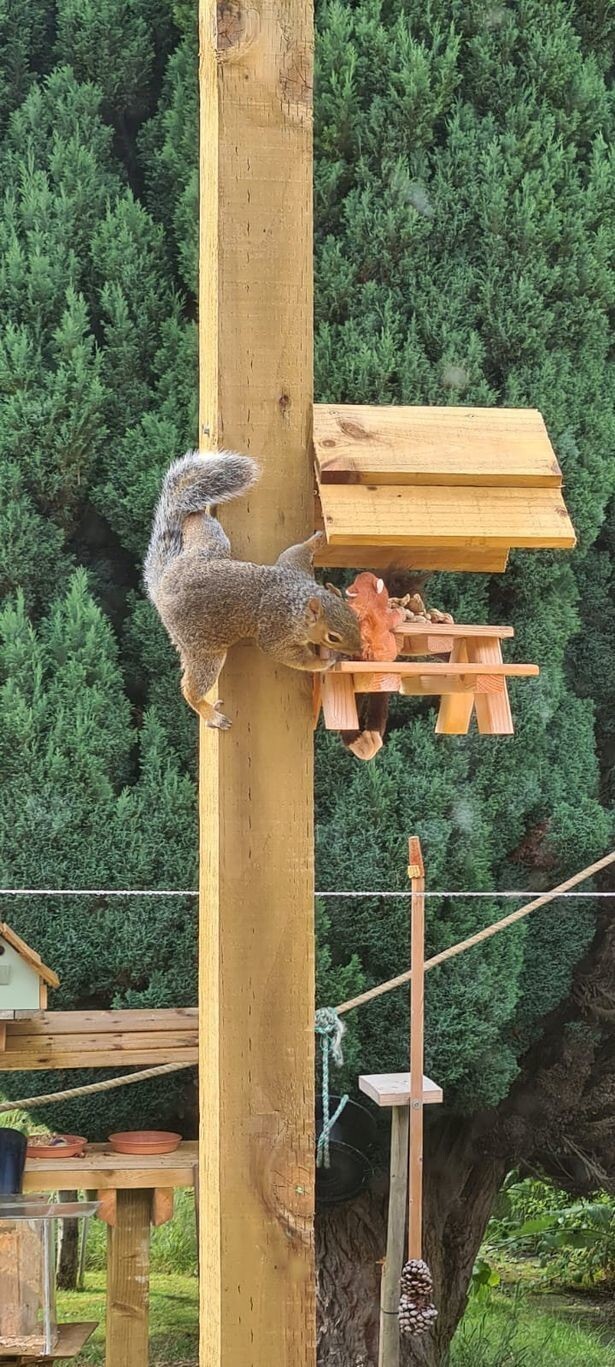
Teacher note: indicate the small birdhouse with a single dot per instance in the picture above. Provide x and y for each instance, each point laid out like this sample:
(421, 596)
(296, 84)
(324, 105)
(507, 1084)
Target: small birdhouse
(24, 978)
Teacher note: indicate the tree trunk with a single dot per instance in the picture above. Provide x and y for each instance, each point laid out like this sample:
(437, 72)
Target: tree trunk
(461, 1184)
(68, 1251)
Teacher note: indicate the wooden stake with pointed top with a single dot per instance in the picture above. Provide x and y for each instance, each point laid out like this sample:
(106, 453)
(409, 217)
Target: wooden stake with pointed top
(416, 873)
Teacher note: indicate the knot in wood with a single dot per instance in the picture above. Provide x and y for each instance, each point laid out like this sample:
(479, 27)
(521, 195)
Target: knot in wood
(237, 26)
(296, 81)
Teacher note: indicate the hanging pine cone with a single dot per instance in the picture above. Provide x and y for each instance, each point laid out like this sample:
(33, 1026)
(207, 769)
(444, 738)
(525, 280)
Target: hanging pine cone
(415, 1318)
(416, 1280)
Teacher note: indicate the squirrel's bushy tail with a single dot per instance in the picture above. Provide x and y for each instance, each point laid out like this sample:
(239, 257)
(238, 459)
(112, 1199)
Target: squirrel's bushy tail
(190, 485)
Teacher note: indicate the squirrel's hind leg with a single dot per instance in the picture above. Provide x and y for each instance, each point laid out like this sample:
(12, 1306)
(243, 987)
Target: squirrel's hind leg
(195, 686)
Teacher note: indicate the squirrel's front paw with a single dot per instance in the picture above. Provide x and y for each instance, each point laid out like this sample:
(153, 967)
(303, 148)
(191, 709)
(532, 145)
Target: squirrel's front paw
(217, 719)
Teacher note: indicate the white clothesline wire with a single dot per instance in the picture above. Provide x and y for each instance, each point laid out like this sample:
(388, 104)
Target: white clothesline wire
(192, 892)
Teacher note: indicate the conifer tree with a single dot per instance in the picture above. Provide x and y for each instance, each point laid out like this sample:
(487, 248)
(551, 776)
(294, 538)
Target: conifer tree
(463, 248)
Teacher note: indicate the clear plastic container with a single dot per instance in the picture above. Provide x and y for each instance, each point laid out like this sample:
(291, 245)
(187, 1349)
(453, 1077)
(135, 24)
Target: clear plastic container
(27, 1270)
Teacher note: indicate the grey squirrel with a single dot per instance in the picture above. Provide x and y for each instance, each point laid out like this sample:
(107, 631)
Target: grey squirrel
(208, 602)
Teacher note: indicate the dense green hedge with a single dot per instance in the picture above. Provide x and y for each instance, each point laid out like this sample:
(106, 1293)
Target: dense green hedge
(463, 199)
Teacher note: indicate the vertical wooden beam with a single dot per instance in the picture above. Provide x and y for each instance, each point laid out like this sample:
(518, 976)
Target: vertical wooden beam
(128, 1281)
(388, 1343)
(417, 1007)
(256, 786)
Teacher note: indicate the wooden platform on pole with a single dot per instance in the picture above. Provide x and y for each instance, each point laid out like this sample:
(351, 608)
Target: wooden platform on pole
(256, 788)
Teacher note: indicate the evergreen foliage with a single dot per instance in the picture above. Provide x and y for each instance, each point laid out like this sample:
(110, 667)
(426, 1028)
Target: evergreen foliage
(463, 206)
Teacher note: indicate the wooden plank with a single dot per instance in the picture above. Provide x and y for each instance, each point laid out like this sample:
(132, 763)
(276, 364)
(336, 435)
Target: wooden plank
(493, 712)
(103, 1170)
(393, 1089)
(389, 1341)
(71, 1339)
(438, 632)
(435, 668)
(417, 1033)
(455, 711)
(163, 1203)
(338, 703)
(31, 1061)
(157, 1044)
(447, 687)
(377, 682)
(470, 518)
(104, 1022)
(128, 1281)
(256, 782)
(107, 1205)
(447, 446)
(382, 558)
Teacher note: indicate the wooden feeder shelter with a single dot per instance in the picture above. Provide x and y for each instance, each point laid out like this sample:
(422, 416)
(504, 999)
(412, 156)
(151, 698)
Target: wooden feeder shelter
(436, 488)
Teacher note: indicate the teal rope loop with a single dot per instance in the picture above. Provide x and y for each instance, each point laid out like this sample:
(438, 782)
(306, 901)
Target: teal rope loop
(331, 1029)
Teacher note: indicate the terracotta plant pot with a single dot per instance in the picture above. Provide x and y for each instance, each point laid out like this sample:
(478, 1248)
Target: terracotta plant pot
(57, 1146)
(145, 1142)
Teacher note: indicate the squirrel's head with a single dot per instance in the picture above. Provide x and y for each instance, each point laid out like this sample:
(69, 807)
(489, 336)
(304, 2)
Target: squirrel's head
(332, 623)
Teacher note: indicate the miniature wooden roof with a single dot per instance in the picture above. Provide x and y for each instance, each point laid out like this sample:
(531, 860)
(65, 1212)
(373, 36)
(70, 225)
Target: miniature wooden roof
(436, 488)
(28, 955)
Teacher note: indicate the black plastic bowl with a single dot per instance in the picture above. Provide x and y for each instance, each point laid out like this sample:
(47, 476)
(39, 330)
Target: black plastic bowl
(351, 1143)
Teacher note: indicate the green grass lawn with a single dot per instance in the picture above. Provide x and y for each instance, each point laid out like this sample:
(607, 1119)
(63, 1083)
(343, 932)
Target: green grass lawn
(510, 1330)
(174, 1310)
(517, 1329)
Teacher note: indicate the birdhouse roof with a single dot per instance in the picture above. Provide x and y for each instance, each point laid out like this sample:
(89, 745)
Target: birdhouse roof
(436, 488)
(28, 955)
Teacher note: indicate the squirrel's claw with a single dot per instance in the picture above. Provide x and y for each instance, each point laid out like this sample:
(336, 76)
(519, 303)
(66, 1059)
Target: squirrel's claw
(217, 719)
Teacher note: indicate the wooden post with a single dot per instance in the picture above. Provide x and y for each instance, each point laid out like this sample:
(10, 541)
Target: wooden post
(417, 1006)
(388, 1343)
(128, 1281)
(256, 988)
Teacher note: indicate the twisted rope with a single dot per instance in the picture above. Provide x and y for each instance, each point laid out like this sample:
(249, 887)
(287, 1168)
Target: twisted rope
(331, 1030)
(29, 1102)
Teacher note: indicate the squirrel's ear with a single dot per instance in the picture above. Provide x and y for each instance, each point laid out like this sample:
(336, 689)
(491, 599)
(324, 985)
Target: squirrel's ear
(334, 589)
(314, 609)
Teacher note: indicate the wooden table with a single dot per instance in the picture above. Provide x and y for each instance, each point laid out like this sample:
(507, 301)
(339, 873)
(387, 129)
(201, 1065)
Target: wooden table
(134, 1193)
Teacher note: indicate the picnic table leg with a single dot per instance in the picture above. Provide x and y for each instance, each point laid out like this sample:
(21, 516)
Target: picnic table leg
(493, 713)
(456, 708)
(128, 1243)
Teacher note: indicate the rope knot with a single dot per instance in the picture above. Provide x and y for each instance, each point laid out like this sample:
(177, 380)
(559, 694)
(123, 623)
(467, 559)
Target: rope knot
(331, 1030)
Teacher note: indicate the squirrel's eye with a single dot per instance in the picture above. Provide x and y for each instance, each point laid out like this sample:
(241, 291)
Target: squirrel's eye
(333, 639)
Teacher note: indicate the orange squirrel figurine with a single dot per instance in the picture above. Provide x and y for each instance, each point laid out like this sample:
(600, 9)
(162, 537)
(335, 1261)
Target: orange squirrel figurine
(369, 598)
(379, 613)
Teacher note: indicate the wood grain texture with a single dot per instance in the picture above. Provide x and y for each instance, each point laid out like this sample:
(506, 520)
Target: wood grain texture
(493, 711)
(128, 1281)
(417, 1034)
(384, 558)
(338, 703)
(104, 1022)
(509, 447)
(393, 1089)
(389, 1340)
(468, 518)
(456, 708)
(434, 668)
(31, 1060)
(71, 1339)
(256, 987)
(102, 1170)
(439, 632)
